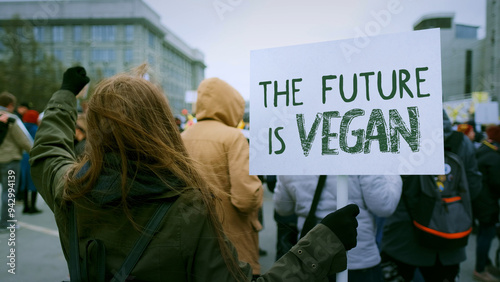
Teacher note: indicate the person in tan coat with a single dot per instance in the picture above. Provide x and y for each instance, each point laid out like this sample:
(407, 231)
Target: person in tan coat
(16, 141)
(222, 150)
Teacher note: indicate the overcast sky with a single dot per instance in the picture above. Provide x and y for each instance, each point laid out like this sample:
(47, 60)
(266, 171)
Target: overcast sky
(227, 30)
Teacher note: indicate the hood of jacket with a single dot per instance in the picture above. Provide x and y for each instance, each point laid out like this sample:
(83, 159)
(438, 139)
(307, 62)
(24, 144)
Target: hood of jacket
(144, 183)
(217, 100)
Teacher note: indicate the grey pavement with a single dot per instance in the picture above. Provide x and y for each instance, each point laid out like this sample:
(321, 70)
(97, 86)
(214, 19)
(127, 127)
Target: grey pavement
(38, 255)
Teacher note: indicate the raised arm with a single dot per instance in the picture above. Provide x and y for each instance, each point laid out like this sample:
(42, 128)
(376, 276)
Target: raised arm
(52, 153)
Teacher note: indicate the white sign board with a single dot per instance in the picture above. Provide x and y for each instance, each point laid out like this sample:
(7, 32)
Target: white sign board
(486, 113)
(340, 109)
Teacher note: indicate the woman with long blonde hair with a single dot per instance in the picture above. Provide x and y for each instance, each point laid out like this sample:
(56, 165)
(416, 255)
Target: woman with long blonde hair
(134, 161)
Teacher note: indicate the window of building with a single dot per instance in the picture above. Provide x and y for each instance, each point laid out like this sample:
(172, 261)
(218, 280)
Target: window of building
(465, 31)
(77, 55)
(151, 39)
(2, 46)
(468, 71)
(23, 34)
(38, 33)
(103, 55)
(151, 60)
(40, 55)
(77, 33)
(103, 32)
(58, 54)
(58, 33)
(129, 55)
(129, 33)
(107, 72)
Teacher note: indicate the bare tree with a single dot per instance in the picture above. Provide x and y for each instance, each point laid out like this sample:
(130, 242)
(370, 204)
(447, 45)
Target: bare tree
(25, 70)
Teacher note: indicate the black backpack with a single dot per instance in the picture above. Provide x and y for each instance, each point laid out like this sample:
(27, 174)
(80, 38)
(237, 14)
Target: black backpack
(4, 128)
(440, 205)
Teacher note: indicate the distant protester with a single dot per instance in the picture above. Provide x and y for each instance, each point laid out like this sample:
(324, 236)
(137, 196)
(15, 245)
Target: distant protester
(136, 186)
(485, 205)
(27, 187)
(376, 195)
(399, 243)
(17, 140)
(223, 153)
(22, 109)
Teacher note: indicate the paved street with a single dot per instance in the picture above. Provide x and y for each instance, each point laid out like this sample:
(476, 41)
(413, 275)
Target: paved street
(38, 256)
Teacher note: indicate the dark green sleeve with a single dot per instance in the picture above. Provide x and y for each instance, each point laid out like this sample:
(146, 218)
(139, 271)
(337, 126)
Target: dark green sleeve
(52, 153)
(318, 254)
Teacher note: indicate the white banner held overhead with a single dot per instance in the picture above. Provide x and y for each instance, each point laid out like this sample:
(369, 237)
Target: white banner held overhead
(333, 108)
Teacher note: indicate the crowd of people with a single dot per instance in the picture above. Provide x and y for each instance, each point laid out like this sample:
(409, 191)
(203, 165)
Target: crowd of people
(106, 174)
(16, 140)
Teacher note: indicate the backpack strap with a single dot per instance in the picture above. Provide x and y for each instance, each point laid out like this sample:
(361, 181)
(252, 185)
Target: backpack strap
(491, 146)
(311, 217)
(75, 273)
(130, 261)
(141, 243)
(4, 128)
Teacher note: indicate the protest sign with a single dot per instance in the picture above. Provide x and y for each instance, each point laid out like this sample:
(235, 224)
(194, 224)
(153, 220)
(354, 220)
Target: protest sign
(486, 113)
(334, 108)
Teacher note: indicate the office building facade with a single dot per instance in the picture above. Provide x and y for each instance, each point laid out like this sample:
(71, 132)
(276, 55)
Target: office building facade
(462, 55)
(111, 36)
(468, 64)
(492, 49)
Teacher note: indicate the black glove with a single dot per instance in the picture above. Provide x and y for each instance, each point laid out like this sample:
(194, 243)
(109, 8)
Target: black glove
(343, 223)
(74, 79)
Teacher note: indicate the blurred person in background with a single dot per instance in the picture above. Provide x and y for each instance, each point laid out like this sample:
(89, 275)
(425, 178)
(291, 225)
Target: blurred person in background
(485, 206)
(27, 187)
(468, 130)
(16, 140)
(399, 244)
(21, 109)
(374, 194)
(223, 152)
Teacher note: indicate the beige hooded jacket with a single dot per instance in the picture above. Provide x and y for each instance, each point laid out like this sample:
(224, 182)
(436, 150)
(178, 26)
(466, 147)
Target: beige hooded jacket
(223, 151)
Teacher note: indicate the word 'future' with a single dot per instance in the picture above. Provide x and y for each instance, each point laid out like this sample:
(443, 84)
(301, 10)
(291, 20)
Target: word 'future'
(400, 78)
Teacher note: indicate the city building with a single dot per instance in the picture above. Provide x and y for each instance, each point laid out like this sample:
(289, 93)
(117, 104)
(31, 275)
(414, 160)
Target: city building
(462, 55)
(110, 36)
(492, 49)
(470, 66)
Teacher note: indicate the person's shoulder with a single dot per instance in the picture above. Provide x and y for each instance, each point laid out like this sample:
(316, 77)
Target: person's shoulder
(488, 147)
(192, 198)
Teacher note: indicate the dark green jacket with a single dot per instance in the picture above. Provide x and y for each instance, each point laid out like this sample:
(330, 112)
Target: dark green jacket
(185, 248)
